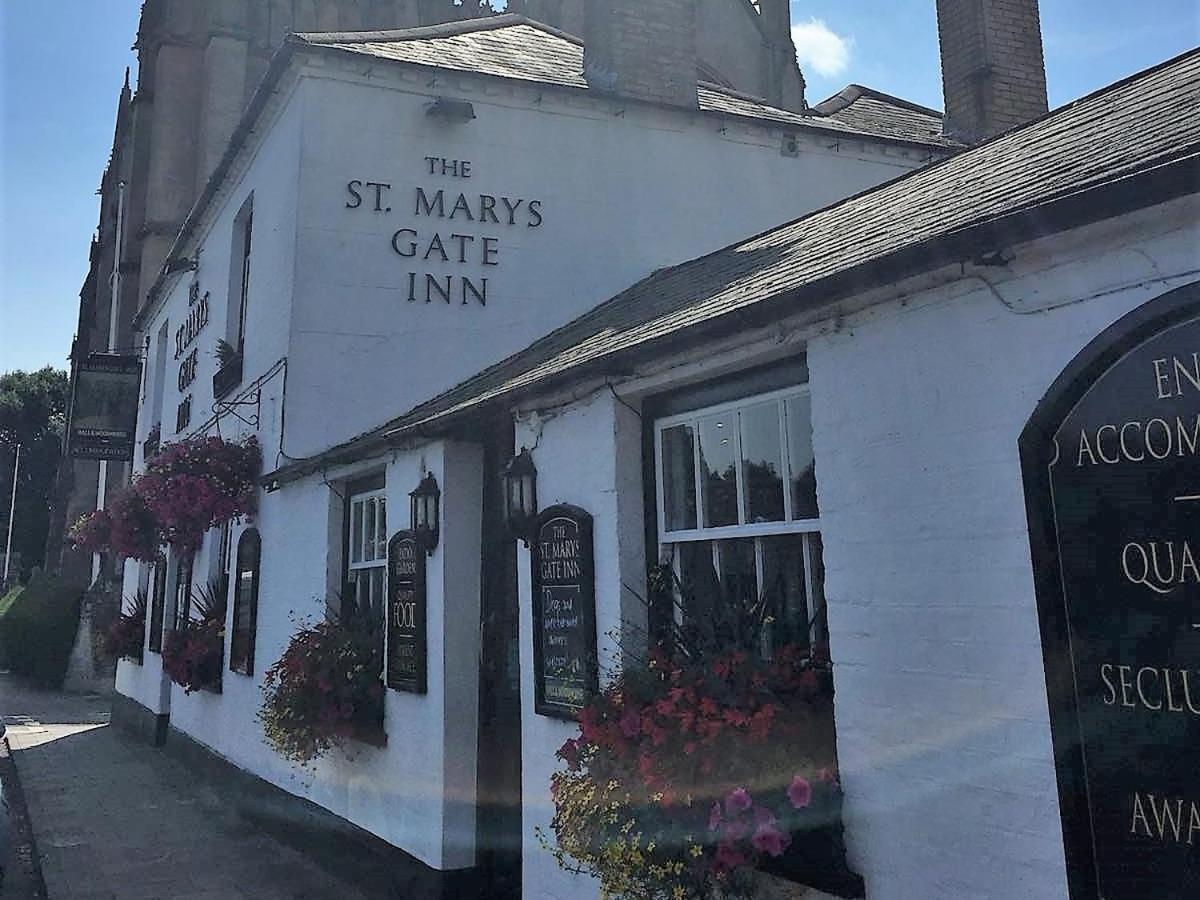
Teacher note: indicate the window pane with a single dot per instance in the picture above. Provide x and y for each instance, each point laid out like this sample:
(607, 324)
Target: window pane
(356, 516)
(739, 580)
(369, 531)
(800, 458)
(762, 462)
(717, 468)
(679, 477)
(816, 556)
(785, 587)
(381, 530)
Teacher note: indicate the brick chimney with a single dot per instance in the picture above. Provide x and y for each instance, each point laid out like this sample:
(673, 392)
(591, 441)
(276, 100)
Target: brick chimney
(993, 73)
(642, 49)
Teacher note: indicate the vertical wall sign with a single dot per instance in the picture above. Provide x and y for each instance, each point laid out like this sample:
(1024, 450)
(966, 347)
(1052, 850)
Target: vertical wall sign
(565, 670)
(104, 407)
(407, 647)
(1111, 461)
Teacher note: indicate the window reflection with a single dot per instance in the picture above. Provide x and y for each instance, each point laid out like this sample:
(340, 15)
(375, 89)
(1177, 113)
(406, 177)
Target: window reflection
(762, 462)
(718, 457)
(679, 483)
(800, 458)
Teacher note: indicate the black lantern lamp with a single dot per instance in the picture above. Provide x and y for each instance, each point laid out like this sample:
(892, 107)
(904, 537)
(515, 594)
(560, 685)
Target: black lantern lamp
(426, 522)
(520, 495)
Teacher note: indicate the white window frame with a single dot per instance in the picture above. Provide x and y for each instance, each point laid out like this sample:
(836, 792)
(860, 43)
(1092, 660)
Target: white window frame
(807, 527)
(379, 539)
(744, 529)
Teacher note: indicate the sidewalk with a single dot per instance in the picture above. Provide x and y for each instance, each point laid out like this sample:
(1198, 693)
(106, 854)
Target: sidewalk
(115, 819)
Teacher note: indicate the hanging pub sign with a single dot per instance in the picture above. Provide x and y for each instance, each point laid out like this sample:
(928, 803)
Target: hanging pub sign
(1111, 461)
(565, 670)
(407, 649)
(104, 407)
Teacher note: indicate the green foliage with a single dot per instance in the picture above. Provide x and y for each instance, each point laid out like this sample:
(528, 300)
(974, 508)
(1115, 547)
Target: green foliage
(33, 411)
(37, 628)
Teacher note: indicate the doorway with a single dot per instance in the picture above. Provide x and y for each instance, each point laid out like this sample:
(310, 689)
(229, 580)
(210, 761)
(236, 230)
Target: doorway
(499, 827)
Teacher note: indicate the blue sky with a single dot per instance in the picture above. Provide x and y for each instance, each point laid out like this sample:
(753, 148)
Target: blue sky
(61, 65)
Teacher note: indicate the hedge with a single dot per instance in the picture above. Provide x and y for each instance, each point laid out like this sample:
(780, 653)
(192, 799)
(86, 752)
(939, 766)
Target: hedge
(37, 628)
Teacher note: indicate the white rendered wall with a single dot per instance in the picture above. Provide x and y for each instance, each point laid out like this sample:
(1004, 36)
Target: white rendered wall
(622, 192)
(418, 792)
(942, 723)
(588, 455)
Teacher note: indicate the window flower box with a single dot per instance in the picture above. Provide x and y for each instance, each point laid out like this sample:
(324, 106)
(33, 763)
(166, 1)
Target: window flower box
(228, 377)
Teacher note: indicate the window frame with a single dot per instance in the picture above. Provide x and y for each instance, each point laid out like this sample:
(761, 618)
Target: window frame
(809, 529)
(158, 602)
(363, 490)
(243, 664)
(183, 613)
(787, 525)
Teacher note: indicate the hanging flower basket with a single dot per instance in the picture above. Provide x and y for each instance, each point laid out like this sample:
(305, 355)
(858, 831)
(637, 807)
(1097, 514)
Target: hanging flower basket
(126, 636)
(687, 775)
(197, 484)
(188, 488)
(324, 690)
(92, 532)
(194, 656)
(125, 528)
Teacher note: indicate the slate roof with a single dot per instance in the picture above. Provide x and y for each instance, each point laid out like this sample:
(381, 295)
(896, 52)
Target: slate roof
(1127, 146)
(512, 46)
(870, 110)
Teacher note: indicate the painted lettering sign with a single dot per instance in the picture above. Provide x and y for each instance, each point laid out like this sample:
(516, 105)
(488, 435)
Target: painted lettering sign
(452, 239)
(407, 651)
(566, 674)
(1114, 492)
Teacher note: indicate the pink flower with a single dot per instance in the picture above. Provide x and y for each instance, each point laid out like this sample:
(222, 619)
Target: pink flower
(714, 817)
(631, 723)
(800, 792)
(738, 802)
(728, 857)
(768, 839)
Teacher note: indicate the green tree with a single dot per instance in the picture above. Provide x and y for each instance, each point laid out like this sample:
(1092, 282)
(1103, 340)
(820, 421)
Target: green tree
(33, 411)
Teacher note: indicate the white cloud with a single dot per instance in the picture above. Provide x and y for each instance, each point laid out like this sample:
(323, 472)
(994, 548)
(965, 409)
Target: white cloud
(820, 49)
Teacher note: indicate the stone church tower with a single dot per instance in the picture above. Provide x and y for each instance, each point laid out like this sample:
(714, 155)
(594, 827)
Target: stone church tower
(199, 62)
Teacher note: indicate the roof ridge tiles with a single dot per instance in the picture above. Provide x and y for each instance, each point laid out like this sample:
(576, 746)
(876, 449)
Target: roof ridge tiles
(426, 32)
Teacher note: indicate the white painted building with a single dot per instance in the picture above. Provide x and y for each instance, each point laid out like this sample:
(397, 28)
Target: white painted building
(395, 213)
(899, 341)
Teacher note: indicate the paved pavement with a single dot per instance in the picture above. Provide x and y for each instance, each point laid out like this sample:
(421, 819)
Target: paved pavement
(115, 819)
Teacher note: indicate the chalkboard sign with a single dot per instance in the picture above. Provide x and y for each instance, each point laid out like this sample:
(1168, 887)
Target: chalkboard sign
(407, 649)
(566, 674)
(1112, 468)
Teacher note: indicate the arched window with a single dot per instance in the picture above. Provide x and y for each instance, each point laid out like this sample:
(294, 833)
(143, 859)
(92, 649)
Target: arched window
(158, 602)
(245, 602)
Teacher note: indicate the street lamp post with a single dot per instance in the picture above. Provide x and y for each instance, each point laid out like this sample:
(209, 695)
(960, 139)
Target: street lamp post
(12, 509)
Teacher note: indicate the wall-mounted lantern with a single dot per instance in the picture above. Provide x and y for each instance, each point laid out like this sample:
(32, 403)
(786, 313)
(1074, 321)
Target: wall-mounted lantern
(426, 520)
(520, 495)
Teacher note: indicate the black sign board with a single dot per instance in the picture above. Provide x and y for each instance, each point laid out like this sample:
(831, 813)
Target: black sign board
(407, 646)
(565, 670)
(1112, 471)
(104, 407)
